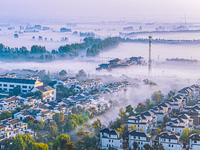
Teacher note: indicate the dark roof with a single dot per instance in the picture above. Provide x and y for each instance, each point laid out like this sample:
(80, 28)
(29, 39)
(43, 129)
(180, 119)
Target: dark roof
(17, 80)
(137, 133)
(104, 65)
(109, 131)
(116, 59)
(195, 137)
(168, 135)
(2, 126)
(11, 99)
(14, 121)
(45, 88)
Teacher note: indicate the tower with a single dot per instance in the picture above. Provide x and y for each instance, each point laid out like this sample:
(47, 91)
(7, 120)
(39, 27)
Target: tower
(150, 37)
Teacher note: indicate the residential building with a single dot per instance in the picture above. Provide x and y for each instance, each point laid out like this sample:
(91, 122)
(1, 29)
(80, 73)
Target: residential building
(170, 141)
(178, 123)
(9, 104)
(48, 93)
(110, 138)
(140, 138)
(195, 142)
(26, 85)
(146, 121)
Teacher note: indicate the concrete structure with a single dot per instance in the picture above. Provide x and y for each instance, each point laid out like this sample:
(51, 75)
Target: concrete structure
(110, 138)
(170, 141)
(140, 137)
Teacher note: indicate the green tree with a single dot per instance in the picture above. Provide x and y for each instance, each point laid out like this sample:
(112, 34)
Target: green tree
(185, 135)
(16, 91)
(7, 143)
(22, 142)
(122, 114)
(61, 141)
(147, 146)
(89, 141)
(39, 146)
(5, 115)
(63, 73)
(157, 97)
(58, 118)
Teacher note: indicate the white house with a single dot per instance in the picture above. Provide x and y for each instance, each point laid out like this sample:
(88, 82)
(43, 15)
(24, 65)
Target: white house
(177, 124)
(170, 141)
(140, 137)
(195, 142)
(26, 85)
(110, 138)
(9, 104)
(145, 121)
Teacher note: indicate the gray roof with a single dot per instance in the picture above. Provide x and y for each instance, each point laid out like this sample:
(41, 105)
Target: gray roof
(45, 88)
(17, 80)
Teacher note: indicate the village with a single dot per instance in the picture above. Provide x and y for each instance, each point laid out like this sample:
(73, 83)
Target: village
(116, 63)
(28, 106)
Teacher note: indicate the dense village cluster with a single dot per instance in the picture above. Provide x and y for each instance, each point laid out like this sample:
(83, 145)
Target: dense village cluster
(27, 105)
(45, 112)
(169, 125)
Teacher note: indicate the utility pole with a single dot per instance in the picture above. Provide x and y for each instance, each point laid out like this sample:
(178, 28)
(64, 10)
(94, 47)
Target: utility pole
(150, 37)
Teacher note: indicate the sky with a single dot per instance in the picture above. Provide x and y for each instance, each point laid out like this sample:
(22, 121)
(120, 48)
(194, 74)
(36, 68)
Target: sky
(98, 9)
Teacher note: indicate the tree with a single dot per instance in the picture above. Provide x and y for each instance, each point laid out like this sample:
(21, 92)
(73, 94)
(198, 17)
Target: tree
(39, 146)
(70, 146)
(97, 124)
(185, 135)
(22, 142)
(82, 73)
(135, 145)
(147, 146)
(129, 108)
(16, 35)
(121, 129)
(7, 143)
(89, 141)
(58, 118)
(122, 114)
(170, 94)
(30, 118)
(61, 141)
(63, 73)
(5, 115)
(159, 147)
(16, 91)
(157, 97)
(148, 103)
(133, 127)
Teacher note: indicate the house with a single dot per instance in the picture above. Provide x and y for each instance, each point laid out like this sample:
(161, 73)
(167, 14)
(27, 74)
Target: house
(161, 111)
(48, 93)
(9, 104)
(187, 92)
(177, 102)
(178, 123)
(110, 138)
(170, 141)
(26, 85)
(13, 127)
(146, 121)
(196, 90)
(45, 115)
(140, 137)
(115, 61)
(195, 142)
(193, 112)
(67, 82)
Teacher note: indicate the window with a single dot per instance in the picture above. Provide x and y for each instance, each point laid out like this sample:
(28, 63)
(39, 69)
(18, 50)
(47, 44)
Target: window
(24, 86)
(107, 145)
(11, 85)
(134, 137)
(0, 84)
(24, 91)
(172, 145)
(169, 145)
(112, 140)
(5, 89)
(5, 85)
(169, 140)
(138, 137)
(109, 140)
(195, 141)
(141, 143)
